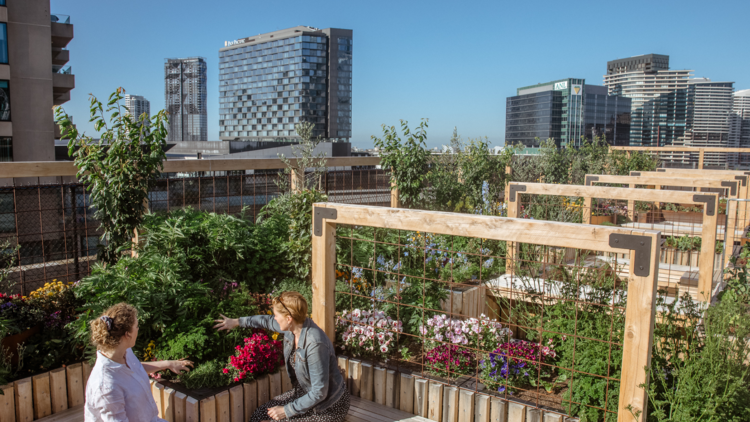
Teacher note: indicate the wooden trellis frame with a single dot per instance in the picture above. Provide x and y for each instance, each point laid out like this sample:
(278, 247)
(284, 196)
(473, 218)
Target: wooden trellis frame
(710, 202)
(732, 187)
(643, 246)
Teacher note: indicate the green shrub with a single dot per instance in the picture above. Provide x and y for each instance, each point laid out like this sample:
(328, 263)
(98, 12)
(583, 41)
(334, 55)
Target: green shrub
(207, 375)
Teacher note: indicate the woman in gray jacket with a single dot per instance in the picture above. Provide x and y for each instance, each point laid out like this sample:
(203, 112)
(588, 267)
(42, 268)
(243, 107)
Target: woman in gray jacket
(319, 393)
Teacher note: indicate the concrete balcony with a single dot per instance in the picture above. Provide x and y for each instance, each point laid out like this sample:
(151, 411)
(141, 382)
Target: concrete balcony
(62, 33)
(60, 57)
(62, 84)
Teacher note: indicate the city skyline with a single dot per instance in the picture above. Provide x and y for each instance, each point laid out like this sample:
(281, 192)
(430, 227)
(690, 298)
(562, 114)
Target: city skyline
(455, 67)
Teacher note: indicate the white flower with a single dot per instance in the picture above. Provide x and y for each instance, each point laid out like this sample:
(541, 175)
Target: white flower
(384, 348)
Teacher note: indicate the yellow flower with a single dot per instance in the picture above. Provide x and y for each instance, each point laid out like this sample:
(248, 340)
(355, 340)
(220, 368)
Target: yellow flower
(270, 312)
(275, 336)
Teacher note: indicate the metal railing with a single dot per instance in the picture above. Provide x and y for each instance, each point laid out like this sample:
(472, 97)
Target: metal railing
(58, 18)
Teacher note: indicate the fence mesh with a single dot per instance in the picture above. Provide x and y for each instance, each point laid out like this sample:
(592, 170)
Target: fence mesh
(545, 329)
(54, 228)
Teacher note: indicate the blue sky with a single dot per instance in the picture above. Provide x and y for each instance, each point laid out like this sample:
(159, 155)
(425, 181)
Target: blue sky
(452, 62)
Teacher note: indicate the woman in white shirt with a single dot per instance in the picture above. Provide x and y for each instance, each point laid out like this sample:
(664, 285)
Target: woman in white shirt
(118, 388)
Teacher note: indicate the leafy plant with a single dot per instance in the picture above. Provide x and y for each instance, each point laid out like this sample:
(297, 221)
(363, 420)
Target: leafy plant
(119, 169)
(208, 374)
(450, 360)
(407, 160)
(368, 333)
(519, 363)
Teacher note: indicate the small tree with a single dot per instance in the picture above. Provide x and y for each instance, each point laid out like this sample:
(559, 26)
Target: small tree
(119, 168)
(407, 161)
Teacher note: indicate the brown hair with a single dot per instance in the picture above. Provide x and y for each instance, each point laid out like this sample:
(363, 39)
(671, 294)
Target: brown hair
(122, 317)
(292, 304)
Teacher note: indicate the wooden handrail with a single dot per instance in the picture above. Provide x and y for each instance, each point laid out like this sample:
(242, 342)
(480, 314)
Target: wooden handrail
(68, 168)
(708, 200)
(681, 149)
(639, 313)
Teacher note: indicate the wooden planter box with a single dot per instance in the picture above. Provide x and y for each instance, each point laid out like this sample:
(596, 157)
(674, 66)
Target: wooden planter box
(683, 217)
(650, 217)
(11, 342)
(599, 219)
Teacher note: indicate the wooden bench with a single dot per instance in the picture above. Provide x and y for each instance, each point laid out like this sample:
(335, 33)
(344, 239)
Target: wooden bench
(74, 414)
(361, 410)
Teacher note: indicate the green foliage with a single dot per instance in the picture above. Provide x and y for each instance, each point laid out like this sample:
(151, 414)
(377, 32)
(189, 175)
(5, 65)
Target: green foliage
(297, 209)
(302, 287)
(406, 160)
(217, 246)
(684, 243)
(580, 323)
(207, 375)
(119, 169)
(698, 367)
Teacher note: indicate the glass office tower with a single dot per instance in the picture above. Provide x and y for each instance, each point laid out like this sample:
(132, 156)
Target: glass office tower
(271, 82)
(606, 116)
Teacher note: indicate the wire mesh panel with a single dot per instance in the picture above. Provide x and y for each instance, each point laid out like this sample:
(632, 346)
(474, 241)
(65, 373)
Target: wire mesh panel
(364, 187)
(48, 232)
(509, 309)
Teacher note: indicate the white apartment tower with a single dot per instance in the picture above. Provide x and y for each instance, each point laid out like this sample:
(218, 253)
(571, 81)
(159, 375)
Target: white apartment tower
(741, 121)
(659, 108)
(710, 119)
(137, 105)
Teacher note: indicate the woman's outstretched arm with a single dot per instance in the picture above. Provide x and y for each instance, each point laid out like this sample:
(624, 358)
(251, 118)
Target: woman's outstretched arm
(176, 366)
(258, 321)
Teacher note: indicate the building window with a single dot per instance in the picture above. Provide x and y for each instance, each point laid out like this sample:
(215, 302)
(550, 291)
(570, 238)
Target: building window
(4, 101)
(6, 149)
(3, 42)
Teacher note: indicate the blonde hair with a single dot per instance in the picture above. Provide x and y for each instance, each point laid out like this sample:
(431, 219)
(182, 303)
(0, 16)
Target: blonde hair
(106, 336)
(292, 304)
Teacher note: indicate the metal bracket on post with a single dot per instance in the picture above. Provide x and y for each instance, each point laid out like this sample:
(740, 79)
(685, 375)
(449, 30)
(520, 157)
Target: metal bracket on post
(642, 247)
(513, 190)
(731, 185)
(635, 173)
(319, 214)
(742, 179)
(710, 202)
(590, 179)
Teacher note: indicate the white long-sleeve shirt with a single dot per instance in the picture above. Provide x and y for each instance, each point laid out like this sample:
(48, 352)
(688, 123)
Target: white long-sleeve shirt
(119, 393)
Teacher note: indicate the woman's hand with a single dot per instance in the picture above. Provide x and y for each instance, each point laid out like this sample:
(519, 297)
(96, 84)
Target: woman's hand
(177, 366)
(226, 323)
(276, 413)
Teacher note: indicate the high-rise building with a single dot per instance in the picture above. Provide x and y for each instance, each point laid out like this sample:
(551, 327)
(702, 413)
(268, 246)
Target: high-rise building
(659, 110)
(137, 105)
(565, 110)
(33, 78)
(185, 99)
(741, 121)
(270, 82)
(710, 119)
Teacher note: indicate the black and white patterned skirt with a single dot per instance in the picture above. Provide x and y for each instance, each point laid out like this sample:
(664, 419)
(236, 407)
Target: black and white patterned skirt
(336, 413)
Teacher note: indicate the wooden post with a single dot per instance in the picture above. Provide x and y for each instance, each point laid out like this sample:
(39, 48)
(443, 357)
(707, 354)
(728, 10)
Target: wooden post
(552, 417)
(75, 385)
(7, 404)
(498, 410)
(355, 377)
(379, 385)
(516, 412)
(251, 398)
(262, 390)
(407, 393)
(274, 384)
(482, 408)
(392, 393)
(639, 330)
(297, 179)
(587, 211)
(168, 402)
(24, 400)
(156, 392)
(631, 206)
(58, 390)
(86, 373)
(421, 400)
(236, 403)
(179, 407)
(323, 276)
(508, 176)
(222, 407)
(706, 258)
(192, 410)
(435, 407)
(450, 404)
(730, 231)
(466, 406)
(343, 362)
(513, 248)
(366, 382)
(395, 202)
(208, 409)
(701, 155)
(42, 399)
(533, 415)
